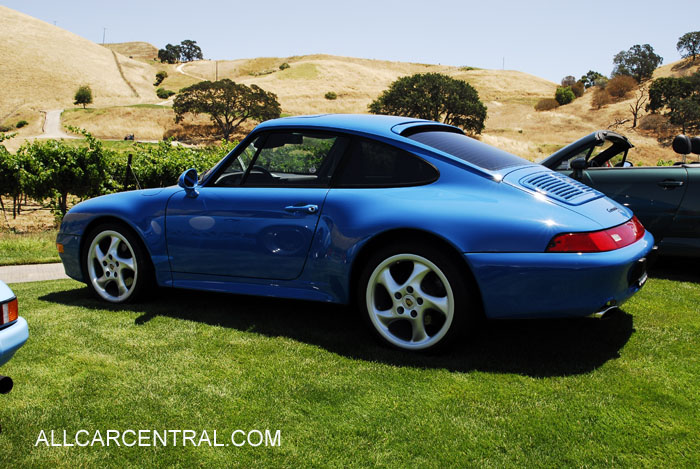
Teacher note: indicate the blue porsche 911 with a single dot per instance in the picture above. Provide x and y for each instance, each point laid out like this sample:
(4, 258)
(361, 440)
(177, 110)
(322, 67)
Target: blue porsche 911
(424, 228)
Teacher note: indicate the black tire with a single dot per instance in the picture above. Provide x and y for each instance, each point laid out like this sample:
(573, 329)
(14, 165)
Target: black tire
(116, 267)
(409, 317)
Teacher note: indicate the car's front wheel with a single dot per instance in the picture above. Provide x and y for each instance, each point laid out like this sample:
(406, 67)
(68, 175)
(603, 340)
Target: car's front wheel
(415, 297)
(115, 264)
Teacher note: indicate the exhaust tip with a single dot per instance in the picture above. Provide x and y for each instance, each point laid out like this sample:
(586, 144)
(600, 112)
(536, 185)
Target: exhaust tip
(6, 384)
(604, 311)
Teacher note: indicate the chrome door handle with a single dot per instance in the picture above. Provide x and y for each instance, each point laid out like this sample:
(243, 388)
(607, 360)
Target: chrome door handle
(670, 183)
(310, 208)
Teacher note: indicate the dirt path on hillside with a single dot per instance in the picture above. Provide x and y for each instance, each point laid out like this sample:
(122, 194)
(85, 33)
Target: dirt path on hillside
(121, 72)
(52, 126)
(180, 68)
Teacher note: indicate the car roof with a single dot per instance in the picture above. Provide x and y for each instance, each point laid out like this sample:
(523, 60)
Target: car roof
(365, 123)
(390, 127)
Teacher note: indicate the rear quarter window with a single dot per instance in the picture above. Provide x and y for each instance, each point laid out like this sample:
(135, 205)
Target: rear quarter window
(469, 150)
(375, 164)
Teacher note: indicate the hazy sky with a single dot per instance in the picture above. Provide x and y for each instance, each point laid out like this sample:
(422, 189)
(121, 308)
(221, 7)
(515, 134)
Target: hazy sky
(550, 39)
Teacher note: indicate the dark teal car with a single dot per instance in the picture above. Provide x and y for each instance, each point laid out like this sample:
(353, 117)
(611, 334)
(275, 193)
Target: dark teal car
(666, 199)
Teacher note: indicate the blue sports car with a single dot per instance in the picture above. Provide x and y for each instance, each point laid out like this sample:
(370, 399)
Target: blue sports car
(424, 228)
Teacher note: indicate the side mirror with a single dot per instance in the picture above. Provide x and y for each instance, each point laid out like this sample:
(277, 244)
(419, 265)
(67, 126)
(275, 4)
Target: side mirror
(188, 181)
(578, 165)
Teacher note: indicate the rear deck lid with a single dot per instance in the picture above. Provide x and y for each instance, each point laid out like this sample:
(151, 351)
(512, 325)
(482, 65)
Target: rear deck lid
(559, 187)
(545, 184)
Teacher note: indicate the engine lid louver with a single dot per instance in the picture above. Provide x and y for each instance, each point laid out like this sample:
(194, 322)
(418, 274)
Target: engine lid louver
(560, 187)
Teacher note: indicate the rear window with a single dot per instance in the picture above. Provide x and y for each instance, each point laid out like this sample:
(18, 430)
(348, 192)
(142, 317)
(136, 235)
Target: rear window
(470, 150)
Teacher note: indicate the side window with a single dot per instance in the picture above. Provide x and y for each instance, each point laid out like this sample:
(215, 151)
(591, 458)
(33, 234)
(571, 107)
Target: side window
(375, 164)
(232, 173)
(565, 164)
(296, 159)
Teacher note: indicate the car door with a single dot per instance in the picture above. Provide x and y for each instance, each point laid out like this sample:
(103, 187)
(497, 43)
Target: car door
(654, 193)
(256, 216)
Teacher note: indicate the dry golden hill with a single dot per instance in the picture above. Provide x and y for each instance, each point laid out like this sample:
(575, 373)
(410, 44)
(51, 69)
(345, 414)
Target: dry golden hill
(681, 68)
(522, 130)
(512, 123)
(135, 50)
(301, 87)
(41, 67)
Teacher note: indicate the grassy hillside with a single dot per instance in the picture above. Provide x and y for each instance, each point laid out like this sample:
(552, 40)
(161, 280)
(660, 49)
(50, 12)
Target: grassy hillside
(510, 96)
(135, 50)
(678, 69)
(41, 66)
(302, 86)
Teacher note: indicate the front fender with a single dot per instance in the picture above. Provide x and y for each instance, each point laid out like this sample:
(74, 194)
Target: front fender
(143, 211)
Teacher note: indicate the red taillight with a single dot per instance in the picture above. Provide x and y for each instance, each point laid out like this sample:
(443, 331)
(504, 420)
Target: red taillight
(598, 241)
(10, 312)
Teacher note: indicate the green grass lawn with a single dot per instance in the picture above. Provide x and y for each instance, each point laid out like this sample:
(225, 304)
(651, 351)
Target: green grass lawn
(28, 248)
(618, 392)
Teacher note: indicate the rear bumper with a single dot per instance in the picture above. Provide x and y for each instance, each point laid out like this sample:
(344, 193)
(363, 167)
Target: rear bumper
(520, 285)
(12, 338)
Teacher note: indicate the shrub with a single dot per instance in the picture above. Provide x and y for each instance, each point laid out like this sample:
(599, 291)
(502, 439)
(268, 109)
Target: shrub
(657, 124)
(162, 93)
(619, 86)
(160, 165)
(51, 169)
(664, 163)
(568, 80)
(331, 95)
(21, 124)
(601, 82)
(564, 95)
(546, 104)
(601, 97)
(284, 66)
(589, 79)
(5, 128)
(160, 76)
(262, 73)
(578, 88)
(55, 170)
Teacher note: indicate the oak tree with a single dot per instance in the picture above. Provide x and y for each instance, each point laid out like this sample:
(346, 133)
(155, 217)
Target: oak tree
(433, 96)
(639, 62)
(228, 104)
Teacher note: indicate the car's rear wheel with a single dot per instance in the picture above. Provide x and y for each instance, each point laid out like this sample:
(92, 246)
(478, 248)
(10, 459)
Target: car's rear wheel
(116, 266)
(415, 297)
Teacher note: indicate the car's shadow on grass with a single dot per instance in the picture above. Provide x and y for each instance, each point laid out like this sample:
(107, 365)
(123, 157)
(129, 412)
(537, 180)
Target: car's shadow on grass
(538, 348)
(676, 268)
